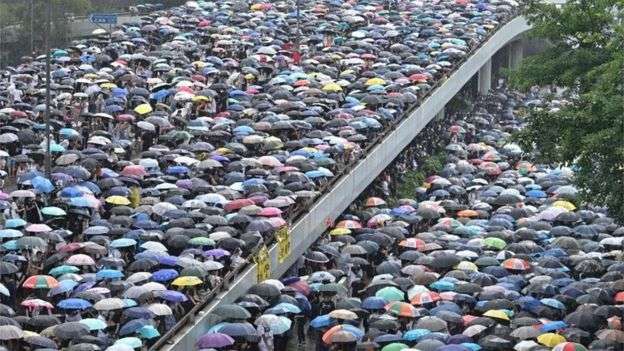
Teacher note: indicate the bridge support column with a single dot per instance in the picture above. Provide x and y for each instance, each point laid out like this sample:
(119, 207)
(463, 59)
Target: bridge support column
(515, 53)
(485, 78)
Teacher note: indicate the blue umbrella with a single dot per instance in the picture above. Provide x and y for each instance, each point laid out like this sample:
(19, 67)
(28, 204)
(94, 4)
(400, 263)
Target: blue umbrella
(554, 303)
(10, 234)
(176, 170)
(132, 326)
(64, 286)
(288, 307)
(321, 321)
(123, 242)
(70, 192)
(164, 275)
(14, 223)
(415, 334)
(74, 304)
(172, 296)
(148, 332)
(374, 303)
(109, 274)
(554, 325)
(10, 245)
(138, 312)
(537, 194)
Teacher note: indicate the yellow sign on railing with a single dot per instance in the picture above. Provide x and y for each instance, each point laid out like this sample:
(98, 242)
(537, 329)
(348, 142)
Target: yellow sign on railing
(264, 264)
(283, 243)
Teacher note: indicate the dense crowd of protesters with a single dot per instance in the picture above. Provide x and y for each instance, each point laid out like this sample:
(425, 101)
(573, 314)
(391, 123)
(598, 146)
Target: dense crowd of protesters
(492, 253)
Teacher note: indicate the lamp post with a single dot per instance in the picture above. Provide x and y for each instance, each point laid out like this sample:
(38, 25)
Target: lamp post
(47, 87)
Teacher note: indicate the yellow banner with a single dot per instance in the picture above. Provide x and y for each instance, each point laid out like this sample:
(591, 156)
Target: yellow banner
(283, 244)
(264, 264)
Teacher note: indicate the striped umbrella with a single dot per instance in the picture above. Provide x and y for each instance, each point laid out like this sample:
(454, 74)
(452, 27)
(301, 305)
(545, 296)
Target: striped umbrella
(425, 297)
(402, 309)
(40, 282)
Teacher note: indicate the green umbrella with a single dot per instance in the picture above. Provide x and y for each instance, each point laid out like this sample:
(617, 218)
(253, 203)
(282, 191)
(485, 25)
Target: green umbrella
(496, 243)
(390, 293)
(131, 341)
(53, 211)
(64, 269)
(59, 53)
(94, 323)
(395, 346)
(201, 241)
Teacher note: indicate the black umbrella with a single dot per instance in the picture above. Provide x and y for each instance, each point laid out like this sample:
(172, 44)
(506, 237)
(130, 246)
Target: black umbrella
(70, 330)
(232, 311)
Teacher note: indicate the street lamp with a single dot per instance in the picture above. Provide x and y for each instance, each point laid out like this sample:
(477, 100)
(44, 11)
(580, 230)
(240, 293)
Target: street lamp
(47, 88)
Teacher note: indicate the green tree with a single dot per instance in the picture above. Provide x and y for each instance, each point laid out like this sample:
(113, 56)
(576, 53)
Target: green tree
(586, 57)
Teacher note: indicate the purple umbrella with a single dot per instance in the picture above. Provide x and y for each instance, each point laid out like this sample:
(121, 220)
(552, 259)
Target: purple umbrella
(171, 296)
(214, 340)
(216, 253)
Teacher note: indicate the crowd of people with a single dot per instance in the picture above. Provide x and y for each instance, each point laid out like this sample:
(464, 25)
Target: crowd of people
(181, 142)
(492, 253)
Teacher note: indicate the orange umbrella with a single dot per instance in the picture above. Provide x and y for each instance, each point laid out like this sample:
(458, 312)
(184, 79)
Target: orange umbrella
(374, 202)
(468, 213)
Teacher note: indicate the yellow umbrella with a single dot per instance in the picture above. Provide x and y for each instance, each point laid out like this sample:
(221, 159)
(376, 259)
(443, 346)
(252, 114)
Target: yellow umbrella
(332, 88)
(550, 339)
(256, 7)
(223, 151)
(498, 314)
(108, 85)
(199, 98)
(467, 266)
(566, 205)
(199, 64)
(118, 200)
(375, 81)
(187, 281)
(143, 109)
(339, 231)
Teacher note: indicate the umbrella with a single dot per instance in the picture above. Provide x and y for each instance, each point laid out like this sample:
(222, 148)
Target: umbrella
(214, 340)
(10, 332)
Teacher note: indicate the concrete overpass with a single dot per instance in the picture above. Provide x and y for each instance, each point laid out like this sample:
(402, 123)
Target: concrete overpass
(506, 42)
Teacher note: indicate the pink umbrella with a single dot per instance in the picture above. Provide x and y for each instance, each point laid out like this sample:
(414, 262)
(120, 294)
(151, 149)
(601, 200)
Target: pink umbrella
(134, 171)
(270, 212)
(269, 161)
(38, 228)
(4, 196)
(80, 260)
(277, 222)
(36, 303)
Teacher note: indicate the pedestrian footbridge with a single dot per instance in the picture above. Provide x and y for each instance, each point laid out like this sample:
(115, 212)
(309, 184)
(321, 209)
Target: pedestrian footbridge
(506, 43)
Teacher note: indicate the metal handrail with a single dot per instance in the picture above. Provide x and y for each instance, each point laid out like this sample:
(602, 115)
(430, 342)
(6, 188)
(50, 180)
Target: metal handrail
(296, 216)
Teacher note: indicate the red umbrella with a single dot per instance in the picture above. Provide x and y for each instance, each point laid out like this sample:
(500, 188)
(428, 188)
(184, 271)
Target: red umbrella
(237, 204)
(516, 264)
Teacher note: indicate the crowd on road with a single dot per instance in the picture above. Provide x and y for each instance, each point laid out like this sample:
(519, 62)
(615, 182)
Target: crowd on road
(179, 144)
(493, 252)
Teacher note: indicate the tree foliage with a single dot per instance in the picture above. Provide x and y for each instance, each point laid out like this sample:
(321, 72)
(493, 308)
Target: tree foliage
(586, 57)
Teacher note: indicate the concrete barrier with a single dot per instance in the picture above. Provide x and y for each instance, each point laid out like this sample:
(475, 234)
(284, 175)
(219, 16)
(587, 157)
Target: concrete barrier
(309, 227)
